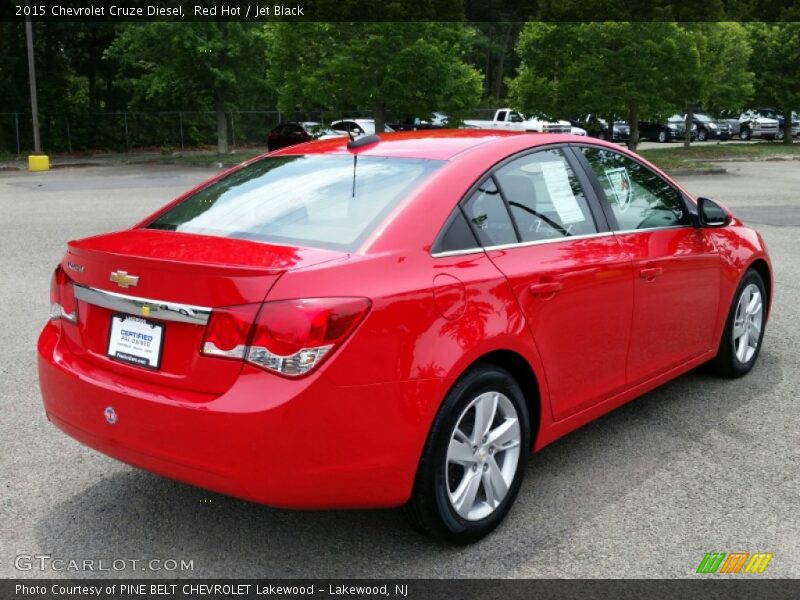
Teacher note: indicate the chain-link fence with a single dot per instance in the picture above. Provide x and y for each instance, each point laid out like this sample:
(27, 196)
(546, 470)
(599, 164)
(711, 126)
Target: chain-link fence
(167, 131)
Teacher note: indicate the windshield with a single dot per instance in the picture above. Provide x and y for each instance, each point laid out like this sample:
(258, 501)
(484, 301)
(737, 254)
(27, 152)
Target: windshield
(323, 201)
(703, 118)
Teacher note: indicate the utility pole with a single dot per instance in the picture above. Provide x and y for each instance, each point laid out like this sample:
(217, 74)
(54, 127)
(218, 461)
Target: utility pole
(37, 144)
(36, 162)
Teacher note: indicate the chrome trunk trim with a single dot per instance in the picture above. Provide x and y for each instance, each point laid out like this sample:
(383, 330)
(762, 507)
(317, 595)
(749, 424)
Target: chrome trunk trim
(144, 307)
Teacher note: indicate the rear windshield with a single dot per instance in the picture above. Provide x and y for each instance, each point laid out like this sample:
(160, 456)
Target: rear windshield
(323, 201)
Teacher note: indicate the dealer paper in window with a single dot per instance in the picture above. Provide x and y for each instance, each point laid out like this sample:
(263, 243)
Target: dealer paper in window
(620, 183)
(556, 179)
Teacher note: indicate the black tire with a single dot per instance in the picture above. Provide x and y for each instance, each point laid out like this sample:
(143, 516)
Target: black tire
(726, 362)
(663, 136)
(430, 509)
(702, 135)
(744, 134)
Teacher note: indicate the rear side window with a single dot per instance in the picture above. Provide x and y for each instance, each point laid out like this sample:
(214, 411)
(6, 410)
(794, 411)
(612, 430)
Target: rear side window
(322, 201)
(639, 197)
(545, 197)
(488, 216)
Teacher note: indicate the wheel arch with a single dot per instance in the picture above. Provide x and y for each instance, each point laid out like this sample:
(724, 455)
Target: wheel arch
(522, 371)
(762, 268)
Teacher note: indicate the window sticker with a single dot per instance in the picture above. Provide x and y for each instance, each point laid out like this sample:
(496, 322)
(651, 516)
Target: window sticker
(556, 179)
(620, 183)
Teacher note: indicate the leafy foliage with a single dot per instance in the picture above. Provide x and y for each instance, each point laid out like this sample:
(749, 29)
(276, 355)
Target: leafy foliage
(414, 68)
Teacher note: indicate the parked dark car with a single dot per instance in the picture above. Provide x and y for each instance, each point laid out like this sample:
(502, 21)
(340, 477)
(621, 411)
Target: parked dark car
(708, 128)
(436, 121)
(666, 130)
(297, 132)
(598, 127)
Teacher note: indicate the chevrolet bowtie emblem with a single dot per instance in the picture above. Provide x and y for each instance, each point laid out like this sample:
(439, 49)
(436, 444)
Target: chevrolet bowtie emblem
(123, 280)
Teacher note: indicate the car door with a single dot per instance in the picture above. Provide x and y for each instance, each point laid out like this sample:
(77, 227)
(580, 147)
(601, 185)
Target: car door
(676, 267)
(572, 280)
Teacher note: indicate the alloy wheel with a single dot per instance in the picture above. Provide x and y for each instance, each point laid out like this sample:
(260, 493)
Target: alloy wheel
(747, 323)
(483, 455)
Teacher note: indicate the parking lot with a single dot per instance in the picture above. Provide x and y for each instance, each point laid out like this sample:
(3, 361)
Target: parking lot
(699, 465)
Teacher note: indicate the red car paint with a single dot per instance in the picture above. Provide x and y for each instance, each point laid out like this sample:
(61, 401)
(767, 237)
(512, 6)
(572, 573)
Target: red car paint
(596, 330)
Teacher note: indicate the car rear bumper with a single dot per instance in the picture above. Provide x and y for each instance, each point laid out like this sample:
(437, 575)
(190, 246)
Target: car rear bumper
(288, 443)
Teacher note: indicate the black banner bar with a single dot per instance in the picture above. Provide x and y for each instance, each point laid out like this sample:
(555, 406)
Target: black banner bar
(396, 10)
(711, 587)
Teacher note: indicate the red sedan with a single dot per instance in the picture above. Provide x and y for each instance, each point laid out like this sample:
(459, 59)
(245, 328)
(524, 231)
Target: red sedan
(397, 320)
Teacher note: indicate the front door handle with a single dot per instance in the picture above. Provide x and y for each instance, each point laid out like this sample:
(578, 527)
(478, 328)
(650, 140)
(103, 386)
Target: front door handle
(650, 273)
(546, 288)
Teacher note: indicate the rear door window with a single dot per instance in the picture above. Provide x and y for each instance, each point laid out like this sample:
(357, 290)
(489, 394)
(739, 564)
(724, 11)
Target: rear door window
(545, 197)
(487, 213)
(323, 201)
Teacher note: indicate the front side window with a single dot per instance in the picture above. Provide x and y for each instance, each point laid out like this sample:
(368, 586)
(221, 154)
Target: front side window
(639, 198)
(545, 197)
(321, 201)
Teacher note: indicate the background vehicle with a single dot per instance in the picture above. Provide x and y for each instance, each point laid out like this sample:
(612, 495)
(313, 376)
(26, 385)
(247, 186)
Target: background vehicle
(395, 321)
(754, 125)
(707, 128)
(507, 119)
(297, 132)
(357, 127)
(437, 120)
(665, 131)
(771, 113)
(598, 127)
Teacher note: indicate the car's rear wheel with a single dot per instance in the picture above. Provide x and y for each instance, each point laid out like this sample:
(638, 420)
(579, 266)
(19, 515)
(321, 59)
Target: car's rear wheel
(473, 462)
(744, 329)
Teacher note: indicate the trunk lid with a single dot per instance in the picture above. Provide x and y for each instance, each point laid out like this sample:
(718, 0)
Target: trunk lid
(170, 279)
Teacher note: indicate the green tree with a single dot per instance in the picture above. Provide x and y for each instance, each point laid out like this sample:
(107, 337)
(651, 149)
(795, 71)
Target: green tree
(776, 63)
(412, 68)
(205, 63)
(721, 79)
(620, 68)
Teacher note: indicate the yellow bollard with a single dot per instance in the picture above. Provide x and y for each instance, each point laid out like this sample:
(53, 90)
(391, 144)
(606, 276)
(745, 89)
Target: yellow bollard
(38, 162)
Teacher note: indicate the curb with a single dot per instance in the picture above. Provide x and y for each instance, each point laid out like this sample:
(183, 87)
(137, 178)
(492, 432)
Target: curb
(709, 171)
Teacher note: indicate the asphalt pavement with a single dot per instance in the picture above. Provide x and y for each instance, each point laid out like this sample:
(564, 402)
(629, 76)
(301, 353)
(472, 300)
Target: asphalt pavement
(699, 465)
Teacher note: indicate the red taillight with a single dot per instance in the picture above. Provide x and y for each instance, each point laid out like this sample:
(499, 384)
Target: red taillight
(228, 331)
(290, 337)
(62, 297)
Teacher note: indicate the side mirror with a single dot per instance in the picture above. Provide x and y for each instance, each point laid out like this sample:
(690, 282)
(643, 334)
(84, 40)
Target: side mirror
(711, 214)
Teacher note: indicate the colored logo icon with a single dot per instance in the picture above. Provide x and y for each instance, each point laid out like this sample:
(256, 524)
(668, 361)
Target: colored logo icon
(734, 562)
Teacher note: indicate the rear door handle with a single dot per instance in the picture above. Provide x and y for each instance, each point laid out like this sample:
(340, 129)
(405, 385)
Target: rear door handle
(650, 273)
(545, 288)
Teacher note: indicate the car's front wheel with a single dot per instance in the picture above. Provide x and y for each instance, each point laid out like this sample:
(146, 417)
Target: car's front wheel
(744, 328)
(473, 462)
(744, 134)
(663, 136)
(702, 135)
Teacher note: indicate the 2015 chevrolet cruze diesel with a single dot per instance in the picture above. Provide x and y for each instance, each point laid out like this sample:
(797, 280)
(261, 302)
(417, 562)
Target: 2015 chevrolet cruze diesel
(397, 320)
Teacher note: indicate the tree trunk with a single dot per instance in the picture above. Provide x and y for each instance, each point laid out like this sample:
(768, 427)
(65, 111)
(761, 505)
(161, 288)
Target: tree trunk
(687, 135)
(501, 63)
(787, 126)
(379, 114)
(633, 119)
(222, 122)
